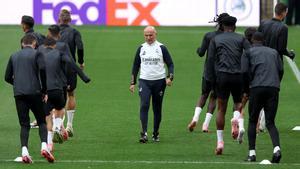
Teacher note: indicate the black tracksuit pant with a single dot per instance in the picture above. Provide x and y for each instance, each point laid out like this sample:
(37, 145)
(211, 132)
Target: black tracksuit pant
(151, 89)
(266, 98)
(24, 103)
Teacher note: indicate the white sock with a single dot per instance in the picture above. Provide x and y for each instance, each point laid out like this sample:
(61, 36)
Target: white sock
(277, 148)
(58, 123)
(44, 146)
(50, 137)
(236, 114)
(207, 119)
(70, 115)
(197, 114)
(25, 151)
(241, 123)
(64, 115)
(53, 121)
(252, 153)
(220, 135)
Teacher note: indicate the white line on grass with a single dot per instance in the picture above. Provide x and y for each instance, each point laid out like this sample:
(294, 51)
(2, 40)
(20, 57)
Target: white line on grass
(294, 68)
(151, 162)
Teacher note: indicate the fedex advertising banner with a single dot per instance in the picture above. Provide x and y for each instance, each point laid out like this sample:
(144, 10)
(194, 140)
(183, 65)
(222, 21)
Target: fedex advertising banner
(132, 12)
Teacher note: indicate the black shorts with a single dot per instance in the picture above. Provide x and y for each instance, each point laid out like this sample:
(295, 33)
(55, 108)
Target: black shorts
(72, 81)
(208, 87)
(230, 84)
(65, 92)
(56, 100)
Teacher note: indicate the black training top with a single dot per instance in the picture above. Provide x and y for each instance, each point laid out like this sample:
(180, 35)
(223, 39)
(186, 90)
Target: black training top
(225, 51)
(56, 62)
(72, 37)
(71, 67)
(204, 49)
(275, 35)
(39, 37)
(26, 72)
(64, 48)
(263, 66)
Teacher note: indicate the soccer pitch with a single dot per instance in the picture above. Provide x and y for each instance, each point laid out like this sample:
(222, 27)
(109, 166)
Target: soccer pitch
(106, 123)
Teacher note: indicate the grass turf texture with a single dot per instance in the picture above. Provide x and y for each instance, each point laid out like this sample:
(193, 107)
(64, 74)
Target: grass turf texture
(106, 122)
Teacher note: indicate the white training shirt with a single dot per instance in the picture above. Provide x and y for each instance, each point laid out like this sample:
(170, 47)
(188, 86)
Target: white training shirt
(152, 62)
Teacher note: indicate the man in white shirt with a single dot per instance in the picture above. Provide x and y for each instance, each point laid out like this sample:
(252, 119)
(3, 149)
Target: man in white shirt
(150, 60)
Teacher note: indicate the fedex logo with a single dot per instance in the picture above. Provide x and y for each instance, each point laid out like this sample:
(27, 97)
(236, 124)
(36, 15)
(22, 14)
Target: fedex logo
(97, 12)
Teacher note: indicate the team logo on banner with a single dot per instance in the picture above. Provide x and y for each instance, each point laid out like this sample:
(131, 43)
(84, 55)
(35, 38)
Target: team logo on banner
(240, 8)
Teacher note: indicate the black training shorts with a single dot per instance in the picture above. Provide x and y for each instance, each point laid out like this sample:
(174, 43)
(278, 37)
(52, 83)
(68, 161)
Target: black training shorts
(208, 87)
(230, 84)
(56, 100)
(72, 81)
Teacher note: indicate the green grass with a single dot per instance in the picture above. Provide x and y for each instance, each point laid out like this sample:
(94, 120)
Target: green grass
(107, 124)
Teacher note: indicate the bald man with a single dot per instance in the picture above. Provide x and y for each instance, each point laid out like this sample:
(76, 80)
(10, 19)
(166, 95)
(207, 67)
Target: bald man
(150, 60)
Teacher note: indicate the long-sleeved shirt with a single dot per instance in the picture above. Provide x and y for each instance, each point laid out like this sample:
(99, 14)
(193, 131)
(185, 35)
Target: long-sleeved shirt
(225, 51)
(263, 66)
(72, 37)
(55, 68)
(39, 37)
(150, 59)
(64, 48)
(26, 72)
(275, 35)
(204, 49)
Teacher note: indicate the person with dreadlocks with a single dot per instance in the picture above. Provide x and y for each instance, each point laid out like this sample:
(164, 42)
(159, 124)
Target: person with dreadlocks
(224, 58)
(207, 85)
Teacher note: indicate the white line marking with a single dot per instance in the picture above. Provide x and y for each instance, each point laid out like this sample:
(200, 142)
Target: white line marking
(151, 162)
(297, 128)
(294, 68)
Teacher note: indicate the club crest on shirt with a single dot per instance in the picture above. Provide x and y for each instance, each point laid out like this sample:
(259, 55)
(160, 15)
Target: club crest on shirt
(144, 53)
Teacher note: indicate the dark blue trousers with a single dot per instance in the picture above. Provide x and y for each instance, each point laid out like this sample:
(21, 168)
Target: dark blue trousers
(151, 89)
